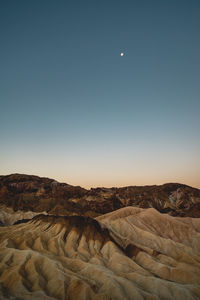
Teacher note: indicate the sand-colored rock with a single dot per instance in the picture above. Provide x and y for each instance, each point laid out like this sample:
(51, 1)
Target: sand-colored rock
(131, 253)
(8, 216)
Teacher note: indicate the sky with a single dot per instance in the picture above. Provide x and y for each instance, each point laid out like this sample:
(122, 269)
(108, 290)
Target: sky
(73, 109)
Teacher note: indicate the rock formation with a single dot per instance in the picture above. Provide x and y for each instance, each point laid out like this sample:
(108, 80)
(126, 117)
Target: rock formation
(33, 194)
(131, 253)
(59, 241)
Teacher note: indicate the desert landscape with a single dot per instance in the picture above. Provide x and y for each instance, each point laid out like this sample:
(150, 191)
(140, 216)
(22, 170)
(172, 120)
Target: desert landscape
(63, 242)
(100, 150)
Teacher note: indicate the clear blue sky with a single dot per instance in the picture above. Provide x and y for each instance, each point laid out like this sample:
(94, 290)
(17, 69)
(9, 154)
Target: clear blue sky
(73, 109)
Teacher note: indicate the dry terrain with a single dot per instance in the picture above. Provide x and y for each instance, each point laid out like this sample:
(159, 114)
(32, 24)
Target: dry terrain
(63, 242)
(131, 253)
(39, 194)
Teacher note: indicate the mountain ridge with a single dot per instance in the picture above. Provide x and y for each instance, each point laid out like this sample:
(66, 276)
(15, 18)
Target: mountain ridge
(12, 175)
(25, 193)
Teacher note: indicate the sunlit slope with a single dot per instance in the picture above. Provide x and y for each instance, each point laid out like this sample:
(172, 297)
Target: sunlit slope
(131, 253)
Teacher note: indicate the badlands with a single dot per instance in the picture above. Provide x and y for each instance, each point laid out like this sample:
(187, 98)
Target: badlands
(140, 247)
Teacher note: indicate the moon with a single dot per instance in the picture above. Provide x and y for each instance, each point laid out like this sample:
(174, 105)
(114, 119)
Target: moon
(122, 54)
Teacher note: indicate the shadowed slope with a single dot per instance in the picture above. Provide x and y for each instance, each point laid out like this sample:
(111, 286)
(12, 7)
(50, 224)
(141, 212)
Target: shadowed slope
(25, 193)
(121, 255)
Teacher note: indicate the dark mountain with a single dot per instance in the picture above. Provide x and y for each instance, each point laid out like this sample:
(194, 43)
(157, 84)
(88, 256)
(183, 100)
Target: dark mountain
(33, 193)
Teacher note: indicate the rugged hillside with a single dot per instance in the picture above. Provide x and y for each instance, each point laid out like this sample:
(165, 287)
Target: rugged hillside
(131, 253)
(32, 193)
(25, 192)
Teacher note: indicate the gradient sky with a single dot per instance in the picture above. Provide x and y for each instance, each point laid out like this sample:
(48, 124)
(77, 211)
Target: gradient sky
(73, 109)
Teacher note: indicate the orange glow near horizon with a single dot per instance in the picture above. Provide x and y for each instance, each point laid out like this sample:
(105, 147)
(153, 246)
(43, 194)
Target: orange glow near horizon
(116, 181)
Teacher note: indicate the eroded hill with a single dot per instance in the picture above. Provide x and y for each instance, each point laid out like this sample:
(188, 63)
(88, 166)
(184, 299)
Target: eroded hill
(132, 253)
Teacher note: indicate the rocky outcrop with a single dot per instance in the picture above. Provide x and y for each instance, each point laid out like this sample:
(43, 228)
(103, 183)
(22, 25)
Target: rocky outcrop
(33, 193)
(131, 253)
(38, 194)
(9, 217)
